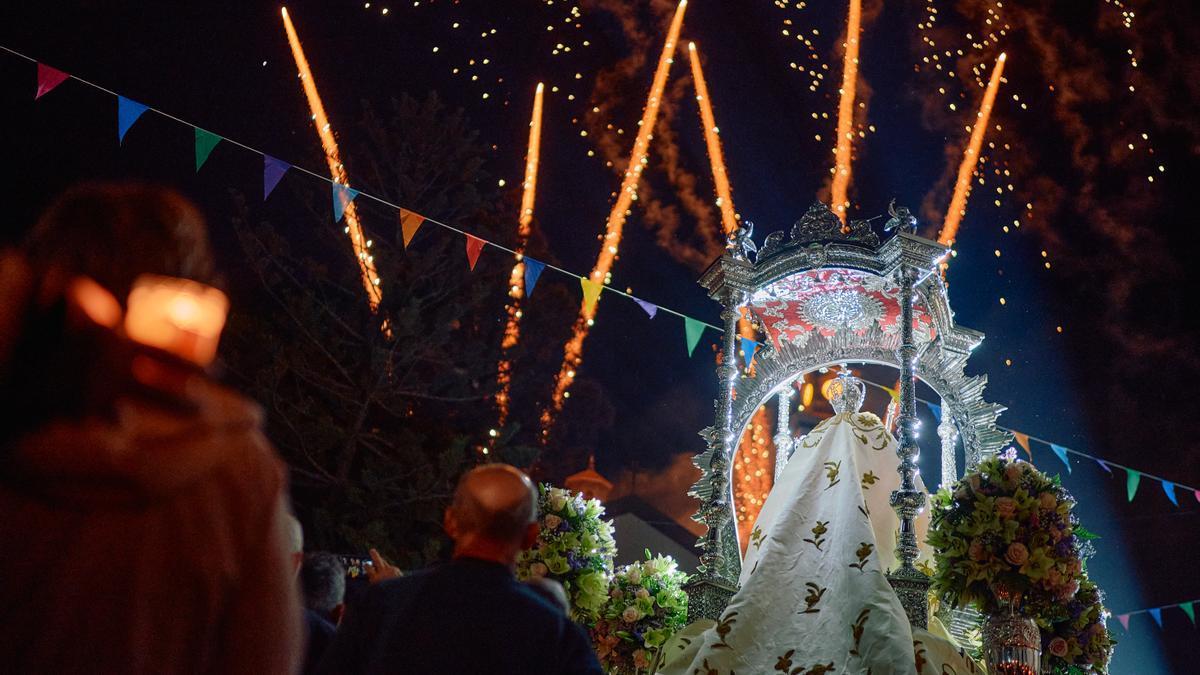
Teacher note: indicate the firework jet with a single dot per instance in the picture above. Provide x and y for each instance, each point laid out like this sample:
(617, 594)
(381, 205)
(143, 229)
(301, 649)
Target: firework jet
(516, 280)
(845, 121)
(711, 138)
(337, 171)
(573, 353)
(962, 186)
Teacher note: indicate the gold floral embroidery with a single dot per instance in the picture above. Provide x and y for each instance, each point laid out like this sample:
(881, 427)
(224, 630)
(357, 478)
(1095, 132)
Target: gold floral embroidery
(784, 665)
(831, 472)
(757, 538)
(868, 479)
(857, 628)
(813, 597)
(724, 626)
(819, 531)
(864, 554)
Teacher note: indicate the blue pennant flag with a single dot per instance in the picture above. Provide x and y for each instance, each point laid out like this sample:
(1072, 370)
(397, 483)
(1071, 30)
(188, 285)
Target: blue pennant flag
(1157, 614)
(533, 270)
(342, 196)
(273, 170)
(1062, 454)
(1169, 488)
(936, 410)
(1104, 465)
(128, 112)
(649, 308)
(748, 347)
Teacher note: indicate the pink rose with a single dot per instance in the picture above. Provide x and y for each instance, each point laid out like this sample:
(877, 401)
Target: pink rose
(538, 570)
(552, 522)
(1017, 554)
(1058, 647)
(976, 551)
(631, 614)
(1047, 501)
(1071, 589)
(1013, 471)
(1006, 507)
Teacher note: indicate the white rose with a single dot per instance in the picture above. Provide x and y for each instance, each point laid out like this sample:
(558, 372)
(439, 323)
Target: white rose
(635, 576)
(552, 522)
(557, 500)
(642, 593)
(630, 614)
(538, 570)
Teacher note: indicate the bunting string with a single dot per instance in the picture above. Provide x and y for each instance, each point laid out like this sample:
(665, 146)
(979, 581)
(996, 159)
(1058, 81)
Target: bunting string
(1188, 608)
(130, 111)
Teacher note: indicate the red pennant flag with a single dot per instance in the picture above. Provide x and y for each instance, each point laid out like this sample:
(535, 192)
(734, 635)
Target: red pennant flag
(409, 223)
(47, 79)
(1023, 441)
(474, 246)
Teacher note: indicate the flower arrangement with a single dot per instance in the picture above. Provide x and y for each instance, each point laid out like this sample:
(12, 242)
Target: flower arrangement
(647, 605)
(1080, 642)
(575, 548)
(1005, 537)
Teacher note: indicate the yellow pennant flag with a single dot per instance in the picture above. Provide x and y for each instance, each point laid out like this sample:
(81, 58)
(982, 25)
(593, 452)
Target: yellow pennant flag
(894, 393)
(591, 293)
(1023, 441)
(409, 224)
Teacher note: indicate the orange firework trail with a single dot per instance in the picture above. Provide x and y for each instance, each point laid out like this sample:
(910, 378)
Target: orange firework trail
(516, 280)
(962, 186)
(845, 122)
(573, 352)
(337, 171)
(753, 469)
(715, 157)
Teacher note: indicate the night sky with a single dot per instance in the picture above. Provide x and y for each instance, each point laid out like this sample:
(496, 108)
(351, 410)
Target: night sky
(1081, 225)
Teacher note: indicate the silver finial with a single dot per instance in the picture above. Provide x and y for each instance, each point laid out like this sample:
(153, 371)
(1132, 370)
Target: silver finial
(846, 392)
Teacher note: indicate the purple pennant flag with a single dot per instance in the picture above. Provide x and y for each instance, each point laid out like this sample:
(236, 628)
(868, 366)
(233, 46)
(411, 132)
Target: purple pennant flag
(128, 112)
(1169, 488)
(273, 170)
(1104, 465)
(1157, 614)
(652, 309)
(533, 270)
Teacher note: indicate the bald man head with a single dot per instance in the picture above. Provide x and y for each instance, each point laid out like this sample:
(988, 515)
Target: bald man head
(494, 513)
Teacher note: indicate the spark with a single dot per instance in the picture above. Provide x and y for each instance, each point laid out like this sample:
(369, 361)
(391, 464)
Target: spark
(337, 172)
(516, 280)
(841, 173)
(713, 140)
(573, 351)
(962, 187)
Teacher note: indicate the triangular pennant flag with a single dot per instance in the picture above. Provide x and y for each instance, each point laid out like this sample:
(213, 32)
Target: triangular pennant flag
(936, 410)
(1023, 441)
(533, 270)
(1196, 493)
(342, 196)
(1124, 619)
(410, 222)
(651, 309)
(47, 79)
(748, 347)
(1131, 482)
(1189, 610)
(1169, 488)
(1104, 465)
(1062, 454)
(591, 293)
(474, 246)
(894, 393)
(128, 112)
(1156, 613)
(273, 170)
(692, 330)
(205, 142)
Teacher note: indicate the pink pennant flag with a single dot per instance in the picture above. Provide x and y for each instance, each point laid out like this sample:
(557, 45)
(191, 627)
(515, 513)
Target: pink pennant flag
(1197, 494)
(47, 79)
(1124, 619)
(474, 246)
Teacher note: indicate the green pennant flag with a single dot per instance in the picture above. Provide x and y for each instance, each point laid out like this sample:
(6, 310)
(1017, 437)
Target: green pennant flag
(1189, 610)
(693, 329)
(1131, 482)
(205, 142)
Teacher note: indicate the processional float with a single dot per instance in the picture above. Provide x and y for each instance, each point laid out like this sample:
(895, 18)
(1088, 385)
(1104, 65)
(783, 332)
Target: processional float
(827, 293)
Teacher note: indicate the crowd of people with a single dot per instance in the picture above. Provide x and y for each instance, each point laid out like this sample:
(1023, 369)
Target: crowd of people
(146, 523)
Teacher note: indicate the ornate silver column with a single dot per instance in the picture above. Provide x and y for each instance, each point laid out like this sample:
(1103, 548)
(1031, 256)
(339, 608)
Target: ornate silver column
(948, 433)
(783, 431)
(714, 584)
(911, 585)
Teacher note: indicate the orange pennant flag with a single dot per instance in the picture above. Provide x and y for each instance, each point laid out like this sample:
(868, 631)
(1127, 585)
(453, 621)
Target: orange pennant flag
(591, 293)
(474, 246)
(1023, 441)
(410, 222)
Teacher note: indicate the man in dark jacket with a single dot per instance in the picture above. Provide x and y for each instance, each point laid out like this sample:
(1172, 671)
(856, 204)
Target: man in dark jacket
(144, 524)
(470, 615)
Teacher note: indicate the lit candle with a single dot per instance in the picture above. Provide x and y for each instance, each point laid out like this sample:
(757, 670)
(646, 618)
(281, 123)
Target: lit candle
(177, 315)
